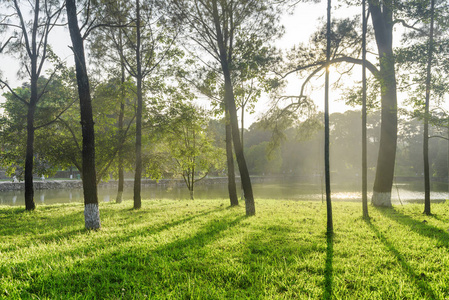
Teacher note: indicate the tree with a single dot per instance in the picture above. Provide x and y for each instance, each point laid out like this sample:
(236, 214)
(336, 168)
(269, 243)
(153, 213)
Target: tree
(147, 46)
(30, 42)
(219, 28)
(427, 210)
(190, 145)
(210, 86)
(91, 210)
(425, 55)
(382, 19)
(53, 104)
(364, 142)
(330, 226)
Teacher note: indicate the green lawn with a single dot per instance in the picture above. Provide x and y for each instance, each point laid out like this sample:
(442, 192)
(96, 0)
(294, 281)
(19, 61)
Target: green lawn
(206, 250)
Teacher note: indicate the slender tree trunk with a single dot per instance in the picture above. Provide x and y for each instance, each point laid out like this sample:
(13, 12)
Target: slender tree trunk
(243, 168)
(121, 177)
(381, 15)
(230, 101)
(426, 115)
(138, 172)
(192, 183)
(29, 188)
(243, 146)
(29, 156)
(91, 210)
(364, 145)
(232, 189)
(330, 226)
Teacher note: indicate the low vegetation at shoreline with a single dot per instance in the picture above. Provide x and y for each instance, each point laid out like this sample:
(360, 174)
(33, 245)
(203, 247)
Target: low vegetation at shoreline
(206, 250)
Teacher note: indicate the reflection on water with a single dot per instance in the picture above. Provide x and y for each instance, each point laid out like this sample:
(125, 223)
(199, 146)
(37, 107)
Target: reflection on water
(292, 190)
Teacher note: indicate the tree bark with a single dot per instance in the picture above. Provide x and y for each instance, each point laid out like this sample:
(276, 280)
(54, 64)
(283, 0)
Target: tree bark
(364, 141)
(243, 168)
(138, 172)
(29, 156)
(121, 175)
(91, 211)
(232, 189)
(427, 210)
(330, 226)
(381, 15)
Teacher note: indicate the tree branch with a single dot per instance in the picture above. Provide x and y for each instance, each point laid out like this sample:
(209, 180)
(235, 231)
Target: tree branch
(14, 93)
(56, 118)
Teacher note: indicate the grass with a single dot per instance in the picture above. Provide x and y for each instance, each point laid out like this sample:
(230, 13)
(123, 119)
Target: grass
(206, 250)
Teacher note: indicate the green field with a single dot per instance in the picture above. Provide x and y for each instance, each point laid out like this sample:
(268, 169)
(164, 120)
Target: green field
(206, 250)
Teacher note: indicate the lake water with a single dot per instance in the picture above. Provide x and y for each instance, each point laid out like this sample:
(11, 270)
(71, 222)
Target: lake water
(280, 189)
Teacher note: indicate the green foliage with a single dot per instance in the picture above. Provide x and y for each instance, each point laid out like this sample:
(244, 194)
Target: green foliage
(189, 144)
(58, 145)
(54, 101)
(202, 250)
(412, 59)
(260, 163)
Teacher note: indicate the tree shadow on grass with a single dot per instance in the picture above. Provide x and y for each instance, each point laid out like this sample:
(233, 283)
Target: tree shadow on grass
(419, 280)
(420, 227)
(156, 228)
(275, 257)
(21, 224)
(328, 271)
(138, 271)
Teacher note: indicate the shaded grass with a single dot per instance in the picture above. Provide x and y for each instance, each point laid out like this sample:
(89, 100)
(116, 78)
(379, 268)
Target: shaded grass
(206, 250)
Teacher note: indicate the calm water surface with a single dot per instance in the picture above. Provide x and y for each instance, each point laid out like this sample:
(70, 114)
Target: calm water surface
(285, 189)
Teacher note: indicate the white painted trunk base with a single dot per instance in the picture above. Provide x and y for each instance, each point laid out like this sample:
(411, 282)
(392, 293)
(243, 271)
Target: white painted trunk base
(381, 199)
(92, 216)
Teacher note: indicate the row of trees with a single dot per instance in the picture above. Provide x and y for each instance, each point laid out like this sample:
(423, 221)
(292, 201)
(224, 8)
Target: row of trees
(142, 41)
(345, 145)
(156, 55)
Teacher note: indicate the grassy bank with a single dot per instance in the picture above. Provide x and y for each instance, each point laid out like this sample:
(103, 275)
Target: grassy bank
(205, 250)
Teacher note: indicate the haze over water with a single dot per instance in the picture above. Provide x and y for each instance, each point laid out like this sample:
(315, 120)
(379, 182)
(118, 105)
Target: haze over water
(279, 189)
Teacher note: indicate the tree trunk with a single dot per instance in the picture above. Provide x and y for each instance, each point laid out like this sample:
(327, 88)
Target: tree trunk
(243, 168)
(91, 211)
(29, 156)
(121, 175)
(426, 116)
(381, 15)
(232, 189)
(330, 226)
(242, 129)
(138, 172)
(364, 142)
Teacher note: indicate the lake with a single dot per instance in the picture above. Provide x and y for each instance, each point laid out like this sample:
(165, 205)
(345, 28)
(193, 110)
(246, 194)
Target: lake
(291, 189)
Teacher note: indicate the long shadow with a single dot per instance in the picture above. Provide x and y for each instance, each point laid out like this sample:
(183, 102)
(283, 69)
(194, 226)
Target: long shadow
(203, 237)
(328, 271)
(122, 238)
(153, 270)
(417, 279)
(161, 227)
(419, 227)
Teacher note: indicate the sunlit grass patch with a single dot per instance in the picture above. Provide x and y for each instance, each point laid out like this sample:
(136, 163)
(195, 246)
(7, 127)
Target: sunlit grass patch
(207, 250)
